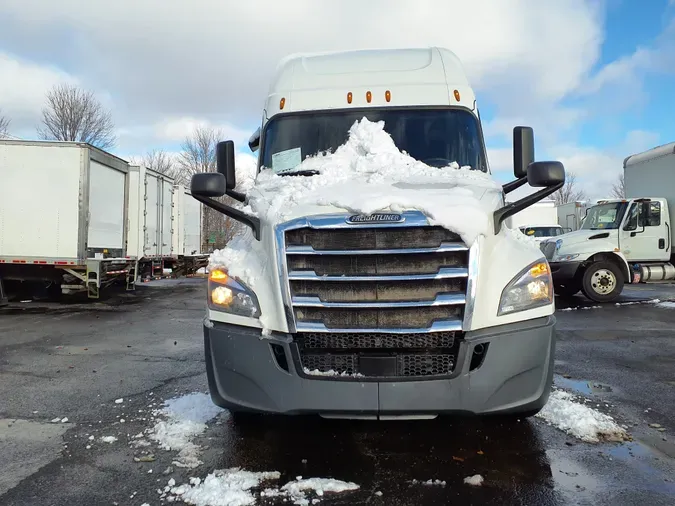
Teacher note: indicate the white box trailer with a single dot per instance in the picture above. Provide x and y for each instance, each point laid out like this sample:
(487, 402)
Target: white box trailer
(63, 209)
(571, 215)
(542, 213)
(150, 225)
(187, 238)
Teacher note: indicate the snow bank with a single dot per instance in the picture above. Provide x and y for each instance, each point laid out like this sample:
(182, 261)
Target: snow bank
(666, 305)
(387, 180)
(579, 420)
(233, 487)
(186, 418)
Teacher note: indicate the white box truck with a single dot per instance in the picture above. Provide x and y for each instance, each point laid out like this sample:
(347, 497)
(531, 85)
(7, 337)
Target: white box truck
(187, 237)
(63, 214)
(622, 240)
(539, 221)
(385, 283)
(150, 224)
(572, 214)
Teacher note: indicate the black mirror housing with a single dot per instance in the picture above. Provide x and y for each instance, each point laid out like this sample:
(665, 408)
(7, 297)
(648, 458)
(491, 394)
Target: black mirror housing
(523, 150)
(545, 174)
(208, 184)
(225, 163)
(254, 141)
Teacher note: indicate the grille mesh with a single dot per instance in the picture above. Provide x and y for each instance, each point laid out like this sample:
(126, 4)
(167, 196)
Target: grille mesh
(311, 340)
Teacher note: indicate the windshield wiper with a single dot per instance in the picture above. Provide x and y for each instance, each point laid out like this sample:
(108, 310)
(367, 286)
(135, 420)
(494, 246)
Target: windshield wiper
(310, 172)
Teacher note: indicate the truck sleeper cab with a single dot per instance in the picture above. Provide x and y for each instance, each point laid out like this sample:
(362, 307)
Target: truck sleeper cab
(381, 315)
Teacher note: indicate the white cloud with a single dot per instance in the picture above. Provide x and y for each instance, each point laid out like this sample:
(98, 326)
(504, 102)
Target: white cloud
(23, 86)
(176, 129)
(191, 59)
(597, 169)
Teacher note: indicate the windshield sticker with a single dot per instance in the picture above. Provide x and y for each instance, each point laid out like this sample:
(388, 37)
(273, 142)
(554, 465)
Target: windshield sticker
(285, 160)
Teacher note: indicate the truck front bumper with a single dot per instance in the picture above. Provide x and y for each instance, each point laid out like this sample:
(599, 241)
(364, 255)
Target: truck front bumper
(249, 372)
(564, 271)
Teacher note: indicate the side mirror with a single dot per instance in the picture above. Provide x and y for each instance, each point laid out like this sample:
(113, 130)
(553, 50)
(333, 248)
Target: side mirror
(208, 184)
(545, 174)
(523, 150)
(225, 163)
(254, 140)
(550, 176)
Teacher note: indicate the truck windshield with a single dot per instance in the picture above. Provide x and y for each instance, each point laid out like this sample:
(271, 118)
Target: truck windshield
(604, 216)
(542, 231)
(436, 137)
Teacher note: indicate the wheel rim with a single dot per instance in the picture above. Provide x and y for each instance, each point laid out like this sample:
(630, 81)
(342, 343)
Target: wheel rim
(603, 281)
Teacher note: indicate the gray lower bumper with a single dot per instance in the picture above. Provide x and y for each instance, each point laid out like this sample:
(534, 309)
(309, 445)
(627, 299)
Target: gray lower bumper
(515, 376)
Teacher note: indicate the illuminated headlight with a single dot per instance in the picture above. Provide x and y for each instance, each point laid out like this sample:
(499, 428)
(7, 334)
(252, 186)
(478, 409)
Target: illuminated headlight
(231, 296)
(531, 288)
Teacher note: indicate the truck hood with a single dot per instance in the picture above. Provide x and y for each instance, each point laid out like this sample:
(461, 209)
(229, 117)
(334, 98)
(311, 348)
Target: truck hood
(369, 198)
(583, 243)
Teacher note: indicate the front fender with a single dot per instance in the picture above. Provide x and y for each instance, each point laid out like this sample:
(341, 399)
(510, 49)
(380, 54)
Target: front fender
(618, 258)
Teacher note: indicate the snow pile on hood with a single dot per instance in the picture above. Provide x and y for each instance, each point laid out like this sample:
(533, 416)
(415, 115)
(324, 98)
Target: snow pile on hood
(186, 418)
(386, 179)
(580, 421)
(232, 487)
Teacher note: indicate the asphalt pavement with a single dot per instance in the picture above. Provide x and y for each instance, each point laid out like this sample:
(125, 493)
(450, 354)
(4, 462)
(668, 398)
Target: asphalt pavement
(63, 366)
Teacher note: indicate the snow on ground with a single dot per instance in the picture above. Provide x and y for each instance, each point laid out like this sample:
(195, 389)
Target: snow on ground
(585, 308)
(476, 480)
(666, 305)
(233, 487)
(580, 421)
(109, 439)
(186, 418)
(388, 180)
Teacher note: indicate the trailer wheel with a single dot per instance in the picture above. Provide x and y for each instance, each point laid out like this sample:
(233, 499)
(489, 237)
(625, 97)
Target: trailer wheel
(602, 281)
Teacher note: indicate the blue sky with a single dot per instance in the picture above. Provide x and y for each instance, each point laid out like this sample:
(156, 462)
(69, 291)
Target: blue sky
(593, 77)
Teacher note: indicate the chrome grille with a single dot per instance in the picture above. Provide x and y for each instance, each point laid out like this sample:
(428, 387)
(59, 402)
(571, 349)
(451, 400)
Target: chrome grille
(392, 291)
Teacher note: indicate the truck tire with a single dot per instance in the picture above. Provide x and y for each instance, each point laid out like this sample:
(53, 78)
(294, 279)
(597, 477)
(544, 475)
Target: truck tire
(602, 281)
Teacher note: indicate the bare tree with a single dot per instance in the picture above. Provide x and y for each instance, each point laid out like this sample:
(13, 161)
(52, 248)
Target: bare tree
(4, 125)
(158, 160)
(74, 114)
(570, 191)
(619, 188)
(199, 155)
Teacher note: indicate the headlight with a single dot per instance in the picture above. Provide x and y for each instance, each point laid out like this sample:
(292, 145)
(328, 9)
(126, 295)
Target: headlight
(531, 288)
(566, 258)
(231, 296)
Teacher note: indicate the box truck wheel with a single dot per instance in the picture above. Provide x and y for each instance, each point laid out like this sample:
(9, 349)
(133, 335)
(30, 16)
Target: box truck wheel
(602, 281)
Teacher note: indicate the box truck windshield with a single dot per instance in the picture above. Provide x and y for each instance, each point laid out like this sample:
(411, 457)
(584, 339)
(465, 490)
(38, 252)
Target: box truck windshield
(604, 216)
(436, 136)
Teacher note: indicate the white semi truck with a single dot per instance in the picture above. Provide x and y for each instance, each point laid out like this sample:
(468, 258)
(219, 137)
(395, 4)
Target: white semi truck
(345, 297)
(622, 240)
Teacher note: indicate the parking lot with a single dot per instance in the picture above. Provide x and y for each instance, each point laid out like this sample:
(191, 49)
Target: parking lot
(80, 386)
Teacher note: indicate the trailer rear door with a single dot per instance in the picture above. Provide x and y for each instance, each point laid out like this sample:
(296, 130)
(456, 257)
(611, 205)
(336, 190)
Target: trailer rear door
(107, 187)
